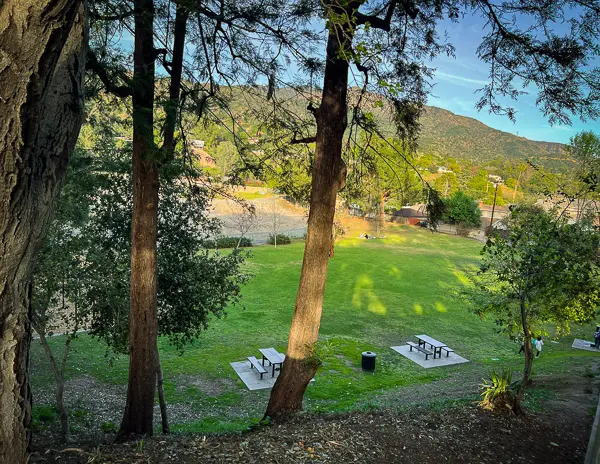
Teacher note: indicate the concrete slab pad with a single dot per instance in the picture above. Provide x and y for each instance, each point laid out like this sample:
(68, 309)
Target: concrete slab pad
(251, 377)
(419, 358)
(584, 345)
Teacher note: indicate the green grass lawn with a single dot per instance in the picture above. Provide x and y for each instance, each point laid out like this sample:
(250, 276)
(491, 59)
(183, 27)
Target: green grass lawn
(379, 293)
(253, 195)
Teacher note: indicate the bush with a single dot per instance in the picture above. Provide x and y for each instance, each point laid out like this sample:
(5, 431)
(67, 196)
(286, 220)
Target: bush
(498, 392)
(109, 427)
(45, 413)
(228, 242)
(281, 240)
(462, 210)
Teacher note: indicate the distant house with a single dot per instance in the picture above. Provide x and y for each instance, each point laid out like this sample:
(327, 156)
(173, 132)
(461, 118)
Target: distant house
(494, 178)
(198, 143)
(500, 212)
(410, 214)
(575, 209)
(443, 170)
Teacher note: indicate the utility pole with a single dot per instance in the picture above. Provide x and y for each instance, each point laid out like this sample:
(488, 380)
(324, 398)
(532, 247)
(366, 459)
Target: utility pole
(491, 228)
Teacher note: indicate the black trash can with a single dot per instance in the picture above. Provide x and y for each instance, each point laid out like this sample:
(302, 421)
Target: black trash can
(368, 361)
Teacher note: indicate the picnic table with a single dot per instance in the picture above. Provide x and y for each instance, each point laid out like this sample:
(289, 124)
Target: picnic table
(274, 358)
(435, 344)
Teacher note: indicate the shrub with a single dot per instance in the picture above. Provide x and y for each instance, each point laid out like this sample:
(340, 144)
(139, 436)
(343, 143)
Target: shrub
(109, 427)
(462, 210)
(228, 242)
(45, 413)
(281, 240)
(498, 392)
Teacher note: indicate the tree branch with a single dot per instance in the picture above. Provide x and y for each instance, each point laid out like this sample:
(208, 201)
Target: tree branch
(313, 109)
(296, 141)
(116, 17)
(99, 70)
(384, 24)
(181, 18)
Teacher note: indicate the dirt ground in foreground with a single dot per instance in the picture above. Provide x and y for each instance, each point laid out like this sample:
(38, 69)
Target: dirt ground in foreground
(463, 433)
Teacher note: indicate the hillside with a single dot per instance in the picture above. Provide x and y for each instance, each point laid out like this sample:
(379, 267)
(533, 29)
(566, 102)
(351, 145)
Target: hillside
(443, 132)
(448, 134)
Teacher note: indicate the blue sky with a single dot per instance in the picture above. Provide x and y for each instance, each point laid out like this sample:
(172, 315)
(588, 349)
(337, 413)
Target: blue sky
(457, 80)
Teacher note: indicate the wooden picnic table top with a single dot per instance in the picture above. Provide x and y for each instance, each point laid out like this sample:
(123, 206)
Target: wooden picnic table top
(272, 355)
(431, 341)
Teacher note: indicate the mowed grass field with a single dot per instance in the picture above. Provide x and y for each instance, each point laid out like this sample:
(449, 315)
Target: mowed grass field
(380, 293)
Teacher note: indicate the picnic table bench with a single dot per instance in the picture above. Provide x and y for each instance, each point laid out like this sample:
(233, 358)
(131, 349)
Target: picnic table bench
(447, 350)
(255, 363)
(433, 343)
(420, 348)
(274, 358)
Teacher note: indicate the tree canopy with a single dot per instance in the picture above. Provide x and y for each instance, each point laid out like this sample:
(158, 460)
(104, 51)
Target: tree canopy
(542, 271)
(462, 210)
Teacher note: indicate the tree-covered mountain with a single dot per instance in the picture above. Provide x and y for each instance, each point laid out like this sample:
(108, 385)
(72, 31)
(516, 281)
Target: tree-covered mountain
(451, 135)
(443, 133)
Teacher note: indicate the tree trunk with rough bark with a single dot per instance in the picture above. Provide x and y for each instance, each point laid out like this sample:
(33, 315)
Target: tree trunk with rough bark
(138, 415)
(42, 61)
(328, 178)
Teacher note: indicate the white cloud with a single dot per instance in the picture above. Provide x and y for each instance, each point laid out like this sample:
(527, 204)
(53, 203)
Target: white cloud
(461, 80)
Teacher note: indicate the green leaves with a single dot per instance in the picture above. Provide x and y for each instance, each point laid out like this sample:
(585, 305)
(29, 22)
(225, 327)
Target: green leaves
(547, 265)
(462, 210)
(85, 263)
(497, 392)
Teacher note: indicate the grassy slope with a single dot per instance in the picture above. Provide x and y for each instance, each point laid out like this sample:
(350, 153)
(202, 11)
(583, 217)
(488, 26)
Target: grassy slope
(379, 293)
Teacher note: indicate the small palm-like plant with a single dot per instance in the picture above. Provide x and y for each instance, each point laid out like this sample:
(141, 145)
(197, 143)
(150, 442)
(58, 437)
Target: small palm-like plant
(498, 392)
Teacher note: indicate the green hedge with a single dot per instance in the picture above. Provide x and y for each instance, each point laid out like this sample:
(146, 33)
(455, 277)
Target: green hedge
(281, 240)
(228, 242)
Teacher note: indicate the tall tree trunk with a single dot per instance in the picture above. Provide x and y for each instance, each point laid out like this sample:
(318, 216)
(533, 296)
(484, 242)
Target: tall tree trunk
(517, 186)
(328, 178)
(528, 357)
(382, 212)
(42, 61)
(137, 419)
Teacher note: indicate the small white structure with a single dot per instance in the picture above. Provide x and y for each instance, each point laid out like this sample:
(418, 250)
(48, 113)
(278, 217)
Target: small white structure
(198, 143)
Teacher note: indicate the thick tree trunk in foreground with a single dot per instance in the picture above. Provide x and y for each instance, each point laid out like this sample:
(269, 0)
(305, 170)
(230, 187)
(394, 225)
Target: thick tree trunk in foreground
(328, 178)
(42, 60)
(137, 419)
